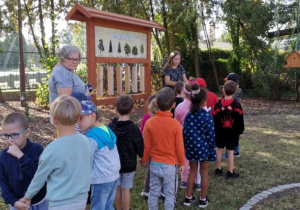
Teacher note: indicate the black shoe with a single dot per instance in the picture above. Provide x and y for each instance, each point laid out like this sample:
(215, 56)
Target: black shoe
(188, 202)
(236, 154)
(232, 175)
(203, 204)
(218, 171)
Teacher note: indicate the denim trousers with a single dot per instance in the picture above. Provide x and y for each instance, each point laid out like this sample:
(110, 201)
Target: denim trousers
(103, 195)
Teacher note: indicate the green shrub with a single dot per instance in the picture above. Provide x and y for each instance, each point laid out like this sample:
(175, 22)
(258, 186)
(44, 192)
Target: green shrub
(81, 71)
(156, 75)
(42, 93)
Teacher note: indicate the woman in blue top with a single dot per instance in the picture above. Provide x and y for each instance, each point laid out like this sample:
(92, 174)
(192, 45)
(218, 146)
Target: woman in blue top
(63, 80)
(173, 72)
(199, 143)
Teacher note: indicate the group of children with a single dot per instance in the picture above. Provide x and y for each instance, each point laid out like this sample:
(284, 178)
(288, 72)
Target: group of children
(103, 159)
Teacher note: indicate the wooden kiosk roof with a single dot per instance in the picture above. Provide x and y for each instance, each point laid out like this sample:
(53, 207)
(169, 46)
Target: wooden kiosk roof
(82, 13)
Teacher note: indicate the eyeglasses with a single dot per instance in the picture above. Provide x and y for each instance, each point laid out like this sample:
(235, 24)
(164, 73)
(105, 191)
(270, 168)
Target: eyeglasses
(6, 136)
(74, 60)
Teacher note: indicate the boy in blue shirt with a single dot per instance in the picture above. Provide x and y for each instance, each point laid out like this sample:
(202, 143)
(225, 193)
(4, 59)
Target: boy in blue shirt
(106, 164)
(66, 162)
(18, 163)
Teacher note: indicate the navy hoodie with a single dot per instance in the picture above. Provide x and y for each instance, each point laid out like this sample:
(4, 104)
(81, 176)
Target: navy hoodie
(16, 175)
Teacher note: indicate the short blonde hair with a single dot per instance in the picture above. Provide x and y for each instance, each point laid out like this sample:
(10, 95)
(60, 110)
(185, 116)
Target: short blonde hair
(152, 107)
(66, 109)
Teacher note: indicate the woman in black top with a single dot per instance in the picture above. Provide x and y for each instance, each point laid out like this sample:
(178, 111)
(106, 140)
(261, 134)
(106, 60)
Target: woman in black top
(173, 72)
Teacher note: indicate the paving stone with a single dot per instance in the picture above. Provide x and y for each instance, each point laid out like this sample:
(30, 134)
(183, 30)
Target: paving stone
(252, 201)
(274, 189)
(246, 207)
(295, 184)
(260, 196)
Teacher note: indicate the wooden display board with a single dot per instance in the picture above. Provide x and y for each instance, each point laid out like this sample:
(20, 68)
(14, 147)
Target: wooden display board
(118, 53)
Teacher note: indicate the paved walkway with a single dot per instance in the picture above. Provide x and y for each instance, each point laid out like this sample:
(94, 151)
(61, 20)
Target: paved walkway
(263, 195)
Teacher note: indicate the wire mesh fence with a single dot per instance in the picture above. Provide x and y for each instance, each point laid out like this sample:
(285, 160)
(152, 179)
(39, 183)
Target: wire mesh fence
(9, 70)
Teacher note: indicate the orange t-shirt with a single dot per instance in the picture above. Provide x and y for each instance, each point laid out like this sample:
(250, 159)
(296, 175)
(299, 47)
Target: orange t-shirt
(163, 140)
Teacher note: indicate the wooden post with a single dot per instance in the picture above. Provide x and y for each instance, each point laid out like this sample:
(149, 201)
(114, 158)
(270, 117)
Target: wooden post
(134, 79)
(127, 79)
(99, 88)
(297, 85)
(110, 80)
(21, 65)
(119, 79)
(142, 78)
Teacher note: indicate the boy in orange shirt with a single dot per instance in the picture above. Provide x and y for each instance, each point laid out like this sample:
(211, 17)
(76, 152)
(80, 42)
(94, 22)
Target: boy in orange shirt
(164, 142)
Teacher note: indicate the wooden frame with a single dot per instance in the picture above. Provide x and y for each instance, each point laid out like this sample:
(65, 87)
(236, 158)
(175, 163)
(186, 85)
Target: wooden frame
(93, 18)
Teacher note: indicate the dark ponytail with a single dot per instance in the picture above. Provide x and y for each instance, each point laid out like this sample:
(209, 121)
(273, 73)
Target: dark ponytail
(197, 98)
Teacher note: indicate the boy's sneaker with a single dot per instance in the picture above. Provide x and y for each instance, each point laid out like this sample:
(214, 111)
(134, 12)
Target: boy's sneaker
(203, 204)
(232, 175)
(162, 196)
(198, 187)
(145, 195)
(183, 185)
(219, 172)
(225, 156)
(188, 202)
(236, 154)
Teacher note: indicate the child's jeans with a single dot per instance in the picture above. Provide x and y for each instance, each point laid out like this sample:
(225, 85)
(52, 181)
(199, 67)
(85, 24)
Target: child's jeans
(103, 195)
(162, 176)
(44, 205)
(237, 149)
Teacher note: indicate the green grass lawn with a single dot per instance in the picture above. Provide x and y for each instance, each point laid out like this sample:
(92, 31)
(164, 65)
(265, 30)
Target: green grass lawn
(270, 156)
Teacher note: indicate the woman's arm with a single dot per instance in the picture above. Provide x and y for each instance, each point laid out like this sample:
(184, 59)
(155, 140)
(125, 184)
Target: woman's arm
(64, 91)
(168, 81)
(184, 78)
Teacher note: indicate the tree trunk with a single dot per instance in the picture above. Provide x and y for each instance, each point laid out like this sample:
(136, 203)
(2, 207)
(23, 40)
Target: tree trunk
(165, 22)
(195, 48)
(42, 27)
(1, 97)
(173, 28)
(155, 31)
(53, 38)
(211, 57)
(30, 22)
(235, 36)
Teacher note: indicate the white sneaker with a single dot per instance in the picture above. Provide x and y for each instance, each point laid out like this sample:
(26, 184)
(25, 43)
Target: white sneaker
(144, 194)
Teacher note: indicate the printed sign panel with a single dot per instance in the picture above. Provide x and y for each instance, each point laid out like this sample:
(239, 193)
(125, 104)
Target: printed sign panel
(120, 43)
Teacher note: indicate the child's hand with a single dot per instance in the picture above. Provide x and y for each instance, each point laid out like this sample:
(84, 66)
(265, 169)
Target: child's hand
(21, 206)
(144, 164)
(14, 150)
(25, 201)
(180, 169)
(241, 136)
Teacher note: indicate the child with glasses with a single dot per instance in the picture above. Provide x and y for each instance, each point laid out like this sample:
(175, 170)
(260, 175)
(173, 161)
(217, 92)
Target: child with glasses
(18, 163)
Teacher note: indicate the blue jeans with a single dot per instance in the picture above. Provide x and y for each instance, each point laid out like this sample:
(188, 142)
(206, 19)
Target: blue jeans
(103, 195)
(237, 149)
